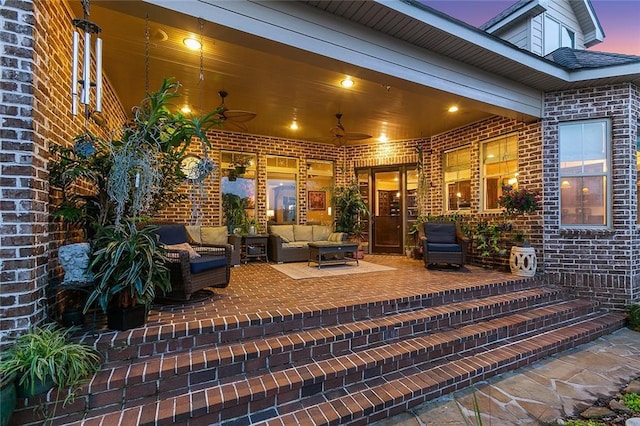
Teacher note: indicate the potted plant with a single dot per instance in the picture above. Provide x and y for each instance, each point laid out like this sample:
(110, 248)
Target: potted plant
(233, 208)
(350, 208)
(129, 267)
(8, 397)
(45, 357)
(522, 259)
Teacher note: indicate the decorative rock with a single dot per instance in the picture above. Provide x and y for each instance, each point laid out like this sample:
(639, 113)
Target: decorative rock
(633, 421)
(633, 387)
(596, 413)
(74, 259)
(617, 405)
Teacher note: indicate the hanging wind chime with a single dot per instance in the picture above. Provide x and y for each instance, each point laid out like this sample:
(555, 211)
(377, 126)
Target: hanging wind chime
(87, 28)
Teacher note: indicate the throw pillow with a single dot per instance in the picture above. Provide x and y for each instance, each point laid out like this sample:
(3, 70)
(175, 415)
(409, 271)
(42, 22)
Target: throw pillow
(184, 246)
(214, 234)
(303, 232)
(193, 233)
(336, 237)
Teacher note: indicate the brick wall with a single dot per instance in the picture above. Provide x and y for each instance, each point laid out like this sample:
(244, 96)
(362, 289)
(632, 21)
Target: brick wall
(34, 113)
(529, 169)
(601, 264)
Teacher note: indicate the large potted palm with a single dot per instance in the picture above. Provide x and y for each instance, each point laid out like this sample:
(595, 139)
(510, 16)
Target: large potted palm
(351, 211)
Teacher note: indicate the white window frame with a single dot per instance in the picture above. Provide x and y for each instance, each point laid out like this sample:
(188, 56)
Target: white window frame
(558, 36)
(607, 174)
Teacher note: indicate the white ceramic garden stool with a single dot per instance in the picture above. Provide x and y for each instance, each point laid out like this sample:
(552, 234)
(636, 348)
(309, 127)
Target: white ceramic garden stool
(523, 261)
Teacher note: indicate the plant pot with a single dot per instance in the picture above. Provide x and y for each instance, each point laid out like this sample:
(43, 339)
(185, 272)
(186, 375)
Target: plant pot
(72, 317)
(126, 318)
(8, 398)
(408, 252)
(25, 390)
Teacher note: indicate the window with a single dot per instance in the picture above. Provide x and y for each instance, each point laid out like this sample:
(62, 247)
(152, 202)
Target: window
(557, 35)
(499, 168)
(238, 187)
(282, 189)
(319, 184)
(584, 173)
(457, 179)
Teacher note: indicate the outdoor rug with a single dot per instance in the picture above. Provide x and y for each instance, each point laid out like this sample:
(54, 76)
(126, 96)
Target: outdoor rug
(300, 270)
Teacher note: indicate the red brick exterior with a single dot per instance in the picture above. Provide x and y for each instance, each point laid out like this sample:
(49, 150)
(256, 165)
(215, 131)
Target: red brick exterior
(601, 264)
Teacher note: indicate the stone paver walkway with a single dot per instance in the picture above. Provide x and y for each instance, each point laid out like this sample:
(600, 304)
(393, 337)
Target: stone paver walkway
(562, 385)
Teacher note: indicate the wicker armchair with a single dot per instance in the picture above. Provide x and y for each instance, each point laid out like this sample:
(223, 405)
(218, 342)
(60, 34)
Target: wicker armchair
(443, 242)
(189, 274)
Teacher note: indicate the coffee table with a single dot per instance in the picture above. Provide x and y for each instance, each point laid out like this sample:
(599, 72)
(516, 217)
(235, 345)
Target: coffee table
(332, 253)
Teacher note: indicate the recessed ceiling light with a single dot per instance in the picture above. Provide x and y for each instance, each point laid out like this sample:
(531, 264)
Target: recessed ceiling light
(347, 82)
(383, 137)
(294, 125)
(185, 109)
(192, 43)
(453, 108)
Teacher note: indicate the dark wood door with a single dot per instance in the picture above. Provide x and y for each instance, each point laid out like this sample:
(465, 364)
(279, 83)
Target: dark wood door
(386, 211)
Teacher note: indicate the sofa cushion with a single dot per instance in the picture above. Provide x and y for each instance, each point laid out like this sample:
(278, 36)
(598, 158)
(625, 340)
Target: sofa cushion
(303, 232)
(440, 233)
(321, 232)
(284, 231)
(296, 244)
(193, 233)
(204, 263)
(337, 237)
(172, 234)
(184, 246)
(213, 234)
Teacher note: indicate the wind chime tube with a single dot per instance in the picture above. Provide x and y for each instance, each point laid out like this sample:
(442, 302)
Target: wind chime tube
(74, 75)
(86, 71)
(98, 74)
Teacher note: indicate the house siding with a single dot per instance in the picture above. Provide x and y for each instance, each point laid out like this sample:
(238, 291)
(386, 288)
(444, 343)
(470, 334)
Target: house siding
(602, 264)
(537, 42)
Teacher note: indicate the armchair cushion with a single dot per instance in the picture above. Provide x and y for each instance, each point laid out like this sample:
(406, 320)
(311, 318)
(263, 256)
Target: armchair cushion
(214, 234)
(444, 247)
(172, 234)
(441, 233)
(205, 263)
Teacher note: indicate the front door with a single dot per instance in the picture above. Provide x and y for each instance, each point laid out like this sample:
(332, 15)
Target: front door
(386, 211)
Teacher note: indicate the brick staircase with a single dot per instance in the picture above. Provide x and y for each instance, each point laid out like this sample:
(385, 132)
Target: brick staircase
(349, 364)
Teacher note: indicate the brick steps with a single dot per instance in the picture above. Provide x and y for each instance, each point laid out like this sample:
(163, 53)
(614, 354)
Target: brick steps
(397, 395)
(269, 365)
(276, 389)
(213, 365)
(190, 332)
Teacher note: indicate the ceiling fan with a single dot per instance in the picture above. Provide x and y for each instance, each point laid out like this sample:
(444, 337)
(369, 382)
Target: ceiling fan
(341, 136)
(233, 119)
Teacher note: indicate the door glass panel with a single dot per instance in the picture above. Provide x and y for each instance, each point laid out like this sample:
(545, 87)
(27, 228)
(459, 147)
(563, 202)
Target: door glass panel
(388, 213)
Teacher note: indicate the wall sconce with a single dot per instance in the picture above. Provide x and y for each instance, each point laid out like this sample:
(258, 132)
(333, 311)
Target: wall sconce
(87, 28)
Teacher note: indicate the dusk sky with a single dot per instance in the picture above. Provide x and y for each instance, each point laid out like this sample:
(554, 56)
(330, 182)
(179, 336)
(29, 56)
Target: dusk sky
(620, 19)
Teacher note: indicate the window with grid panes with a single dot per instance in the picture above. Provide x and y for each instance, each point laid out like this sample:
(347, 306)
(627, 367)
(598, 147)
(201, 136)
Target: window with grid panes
(499, 167)
(457, 179)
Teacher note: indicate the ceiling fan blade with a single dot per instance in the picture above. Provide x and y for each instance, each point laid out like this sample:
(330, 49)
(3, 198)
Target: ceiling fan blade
(355, 136)
(239, 115)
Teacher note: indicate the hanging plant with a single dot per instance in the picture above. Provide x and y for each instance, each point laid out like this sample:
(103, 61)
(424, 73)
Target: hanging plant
(422, 191)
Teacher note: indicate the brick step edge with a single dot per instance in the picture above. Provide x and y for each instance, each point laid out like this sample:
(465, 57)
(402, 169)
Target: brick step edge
(262, 391)
(166, 338)
(260, 354)
(396, 396)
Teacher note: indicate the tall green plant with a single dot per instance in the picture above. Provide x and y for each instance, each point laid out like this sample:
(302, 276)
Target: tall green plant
(234, 209)
(487, 237)
(129, 265)
(350, 208)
